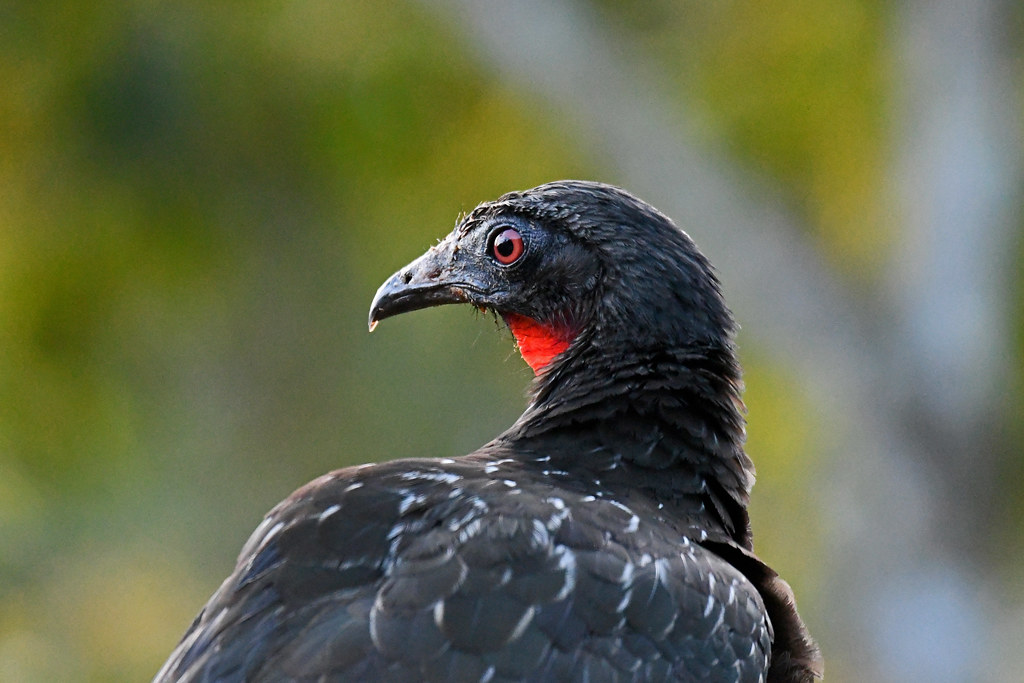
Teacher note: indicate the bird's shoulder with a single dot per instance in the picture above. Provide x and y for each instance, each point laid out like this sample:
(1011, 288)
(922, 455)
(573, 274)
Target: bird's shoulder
(464, 569)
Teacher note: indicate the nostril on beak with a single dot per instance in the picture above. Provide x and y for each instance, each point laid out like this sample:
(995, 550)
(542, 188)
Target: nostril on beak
(406, 277)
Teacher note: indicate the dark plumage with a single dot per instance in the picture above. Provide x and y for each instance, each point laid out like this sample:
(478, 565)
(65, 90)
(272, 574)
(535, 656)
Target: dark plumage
(603, 537)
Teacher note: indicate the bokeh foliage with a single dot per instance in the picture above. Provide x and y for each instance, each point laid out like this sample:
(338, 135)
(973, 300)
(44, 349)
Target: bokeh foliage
(796, 89)
(197, 202)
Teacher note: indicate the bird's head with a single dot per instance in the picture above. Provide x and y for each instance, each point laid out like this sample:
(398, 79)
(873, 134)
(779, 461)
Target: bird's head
(567, 265)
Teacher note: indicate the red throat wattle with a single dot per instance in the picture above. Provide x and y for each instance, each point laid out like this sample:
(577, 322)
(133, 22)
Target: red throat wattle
(538, 343)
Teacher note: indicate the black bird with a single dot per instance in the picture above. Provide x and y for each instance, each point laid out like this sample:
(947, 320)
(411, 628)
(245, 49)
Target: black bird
(603, 537)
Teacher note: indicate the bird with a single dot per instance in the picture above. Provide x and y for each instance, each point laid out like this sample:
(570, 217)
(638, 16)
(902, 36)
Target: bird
(604, 536)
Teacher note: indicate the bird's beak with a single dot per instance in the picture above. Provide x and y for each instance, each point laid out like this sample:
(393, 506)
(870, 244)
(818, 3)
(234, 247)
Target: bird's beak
(428, 281)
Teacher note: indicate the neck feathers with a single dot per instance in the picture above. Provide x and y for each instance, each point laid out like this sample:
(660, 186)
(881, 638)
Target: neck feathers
(670, 418)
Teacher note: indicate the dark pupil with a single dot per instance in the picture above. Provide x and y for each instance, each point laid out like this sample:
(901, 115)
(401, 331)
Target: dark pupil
(504, 246)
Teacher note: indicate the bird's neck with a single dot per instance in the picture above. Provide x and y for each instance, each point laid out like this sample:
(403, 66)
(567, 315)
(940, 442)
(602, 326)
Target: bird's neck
(666, 423)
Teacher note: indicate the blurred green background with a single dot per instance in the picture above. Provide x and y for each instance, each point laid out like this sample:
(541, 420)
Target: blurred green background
(198, 200)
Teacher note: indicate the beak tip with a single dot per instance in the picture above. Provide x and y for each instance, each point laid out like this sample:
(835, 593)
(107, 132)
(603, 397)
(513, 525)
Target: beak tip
(379, 300)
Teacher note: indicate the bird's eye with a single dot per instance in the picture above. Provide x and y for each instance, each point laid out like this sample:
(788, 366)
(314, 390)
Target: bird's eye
(506, 245)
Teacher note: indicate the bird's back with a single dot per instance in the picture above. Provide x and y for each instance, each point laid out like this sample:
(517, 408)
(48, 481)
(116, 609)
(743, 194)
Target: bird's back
(474, 569)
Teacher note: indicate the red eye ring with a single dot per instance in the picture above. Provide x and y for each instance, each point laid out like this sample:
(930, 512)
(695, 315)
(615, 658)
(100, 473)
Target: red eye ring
(506, 246)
